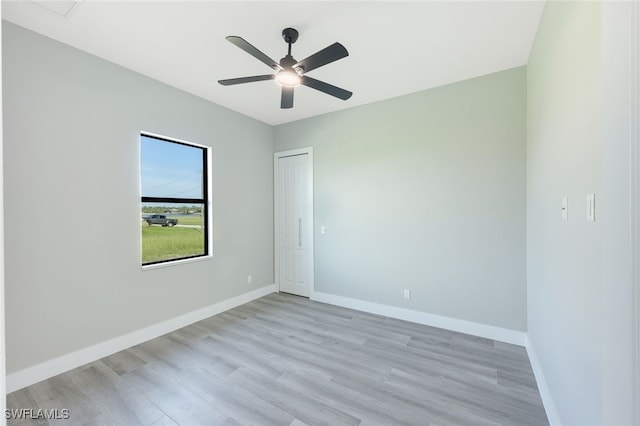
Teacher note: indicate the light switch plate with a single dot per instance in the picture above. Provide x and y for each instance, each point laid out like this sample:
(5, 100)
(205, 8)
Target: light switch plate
(591, 207)
(565, 208)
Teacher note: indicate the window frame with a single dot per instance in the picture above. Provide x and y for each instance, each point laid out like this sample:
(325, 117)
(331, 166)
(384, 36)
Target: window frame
(205, 201)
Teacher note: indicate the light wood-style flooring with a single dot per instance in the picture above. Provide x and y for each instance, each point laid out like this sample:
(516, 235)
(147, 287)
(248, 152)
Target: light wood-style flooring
(286, 360)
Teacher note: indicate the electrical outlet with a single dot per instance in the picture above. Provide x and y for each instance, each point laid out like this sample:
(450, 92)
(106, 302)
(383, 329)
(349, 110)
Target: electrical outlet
(407, 293)
(249, 279)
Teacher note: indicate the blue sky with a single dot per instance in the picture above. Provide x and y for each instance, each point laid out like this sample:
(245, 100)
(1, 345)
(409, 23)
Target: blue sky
(170, 169)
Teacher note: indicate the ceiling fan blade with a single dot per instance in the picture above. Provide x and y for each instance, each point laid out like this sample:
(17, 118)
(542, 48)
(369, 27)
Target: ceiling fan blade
(325, 56)
(325, 87)
(241, 80)
(287, 97)
(253, 51)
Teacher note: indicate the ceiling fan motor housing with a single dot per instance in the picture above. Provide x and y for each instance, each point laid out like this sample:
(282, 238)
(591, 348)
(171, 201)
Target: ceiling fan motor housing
(288, 62)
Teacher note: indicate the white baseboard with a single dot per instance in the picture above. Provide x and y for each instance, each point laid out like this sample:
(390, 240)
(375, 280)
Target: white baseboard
(462, 326)
(47, 369)
(543, 387)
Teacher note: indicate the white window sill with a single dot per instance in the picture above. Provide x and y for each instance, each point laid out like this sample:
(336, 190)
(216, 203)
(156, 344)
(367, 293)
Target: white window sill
(176, 262)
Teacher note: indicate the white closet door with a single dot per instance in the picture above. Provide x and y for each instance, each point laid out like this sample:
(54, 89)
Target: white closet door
(294, 225)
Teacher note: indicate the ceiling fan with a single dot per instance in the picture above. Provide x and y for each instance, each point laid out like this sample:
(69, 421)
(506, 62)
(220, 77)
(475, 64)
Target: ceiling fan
(291, 73)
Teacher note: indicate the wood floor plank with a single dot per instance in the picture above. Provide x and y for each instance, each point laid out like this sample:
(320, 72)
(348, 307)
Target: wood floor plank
(164, 421)
(422, 411)
(231, 350)
(492, 403)
(299, 405)
(425, 363)
(23, 398)
(61, 392)
(366, 408)
(489, 357)
(300, 354)
(118, 402)
(286, 360)
(178, 402)
(122, 362)
(232, 401)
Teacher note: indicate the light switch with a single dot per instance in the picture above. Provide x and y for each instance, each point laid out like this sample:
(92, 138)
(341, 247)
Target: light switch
(591, 207)
(565, 209)
(323, 230)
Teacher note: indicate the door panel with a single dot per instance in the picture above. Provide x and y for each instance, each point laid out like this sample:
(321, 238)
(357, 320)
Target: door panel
(294, 224)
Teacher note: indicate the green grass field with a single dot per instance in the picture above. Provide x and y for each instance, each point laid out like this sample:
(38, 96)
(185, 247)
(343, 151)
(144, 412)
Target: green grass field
(160, 243)
(187, 220)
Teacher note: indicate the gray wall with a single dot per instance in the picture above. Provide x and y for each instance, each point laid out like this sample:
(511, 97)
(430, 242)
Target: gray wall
(427, 192)
(620, 189)
(71, 180)
(564, 120)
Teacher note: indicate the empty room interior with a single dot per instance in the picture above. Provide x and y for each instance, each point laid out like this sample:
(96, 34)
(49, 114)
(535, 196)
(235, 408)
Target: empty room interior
(437, 225)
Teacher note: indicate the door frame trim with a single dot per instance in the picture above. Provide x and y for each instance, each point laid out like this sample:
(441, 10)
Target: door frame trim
(277, 215)
(634, 141)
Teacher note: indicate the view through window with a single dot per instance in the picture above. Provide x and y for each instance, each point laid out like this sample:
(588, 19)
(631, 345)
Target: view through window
(174, 203)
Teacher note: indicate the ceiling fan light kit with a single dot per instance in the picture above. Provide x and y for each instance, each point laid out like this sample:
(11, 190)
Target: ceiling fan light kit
(289, 72)
(287, 78)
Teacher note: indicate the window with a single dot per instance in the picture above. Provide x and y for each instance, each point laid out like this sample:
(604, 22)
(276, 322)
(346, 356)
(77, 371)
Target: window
(175, 200)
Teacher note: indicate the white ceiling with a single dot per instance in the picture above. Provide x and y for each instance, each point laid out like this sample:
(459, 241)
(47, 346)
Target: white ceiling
(394, 47)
